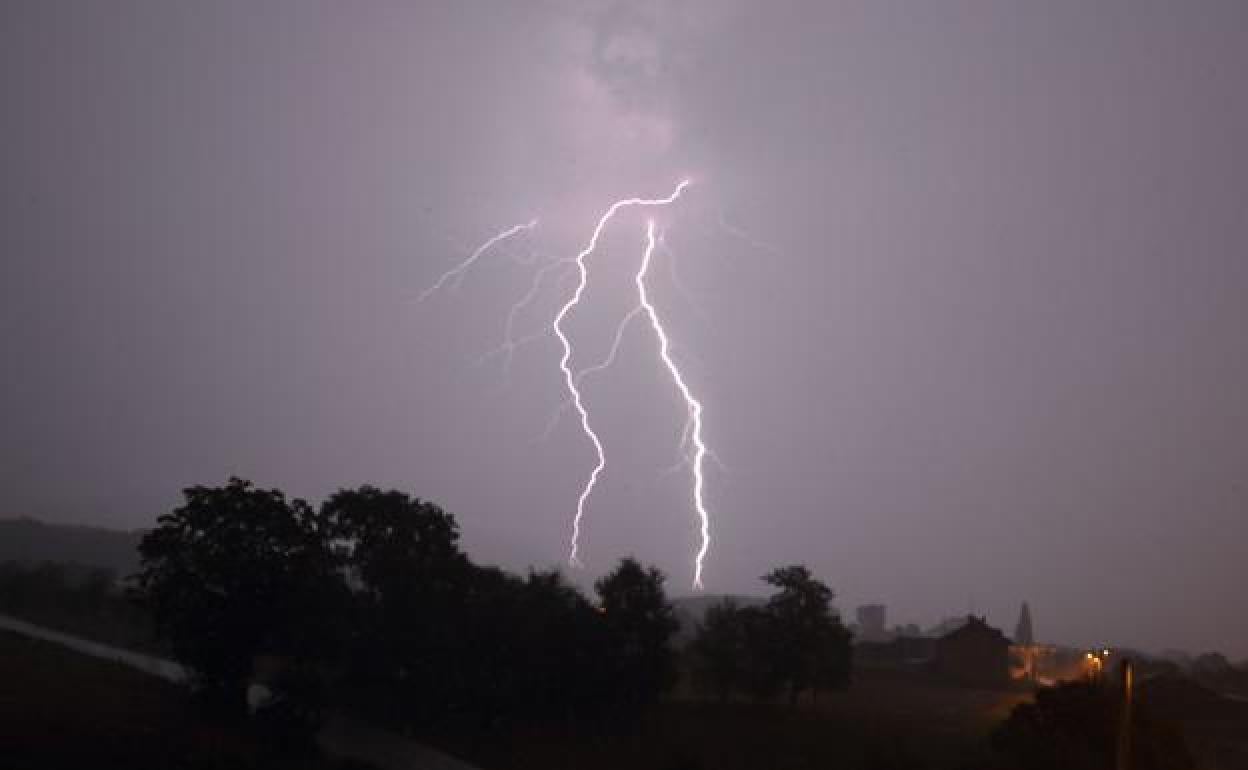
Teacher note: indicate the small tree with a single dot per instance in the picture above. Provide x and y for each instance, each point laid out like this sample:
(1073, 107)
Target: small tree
(718, 650)
(640, 623)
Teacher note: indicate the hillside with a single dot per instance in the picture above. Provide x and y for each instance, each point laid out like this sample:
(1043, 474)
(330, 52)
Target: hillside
(28, 541)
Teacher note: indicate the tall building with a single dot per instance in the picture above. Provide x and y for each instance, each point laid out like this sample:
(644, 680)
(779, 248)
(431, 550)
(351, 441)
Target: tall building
(872, 623)
(1023, 634)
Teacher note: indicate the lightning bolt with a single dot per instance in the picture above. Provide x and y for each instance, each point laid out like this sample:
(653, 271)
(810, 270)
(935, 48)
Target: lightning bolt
(691, 432)
(677, 283)
(457, 273)
(742, 235)
(605, 363)
(510, 342)
(569, 377)
(693, 406)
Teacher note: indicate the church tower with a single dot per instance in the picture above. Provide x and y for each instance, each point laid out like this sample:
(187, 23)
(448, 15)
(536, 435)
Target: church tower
(1023, 634)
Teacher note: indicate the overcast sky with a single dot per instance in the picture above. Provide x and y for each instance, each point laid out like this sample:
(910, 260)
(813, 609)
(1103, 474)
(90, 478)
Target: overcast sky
(961, 285)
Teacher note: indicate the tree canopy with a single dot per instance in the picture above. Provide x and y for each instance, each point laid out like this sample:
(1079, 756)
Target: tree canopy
(794, 643)
(640, 623)
(371, 596)
(236, 572)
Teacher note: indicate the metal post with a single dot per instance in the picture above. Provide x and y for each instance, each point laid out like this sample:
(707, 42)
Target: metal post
(1124, 722)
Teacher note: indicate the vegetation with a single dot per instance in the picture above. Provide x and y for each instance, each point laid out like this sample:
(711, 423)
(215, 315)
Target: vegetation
(1078, 726)
(718, 651)
(234, 573)
(59, 709)
(793, 644)
(639, 622)
(369, 602)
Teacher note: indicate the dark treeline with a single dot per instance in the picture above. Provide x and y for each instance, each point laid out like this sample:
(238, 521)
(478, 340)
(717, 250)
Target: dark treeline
(368, 602)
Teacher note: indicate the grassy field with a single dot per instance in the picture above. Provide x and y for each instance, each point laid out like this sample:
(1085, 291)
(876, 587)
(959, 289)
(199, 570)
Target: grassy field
(59, 709)
(882, 722)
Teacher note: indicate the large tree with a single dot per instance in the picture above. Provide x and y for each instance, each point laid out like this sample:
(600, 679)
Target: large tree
(236, 572)
(392, 541)
(409, 579)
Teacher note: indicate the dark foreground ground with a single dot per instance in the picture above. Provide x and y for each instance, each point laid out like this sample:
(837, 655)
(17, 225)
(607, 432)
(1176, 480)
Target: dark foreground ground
(59, 709)
(883, 722)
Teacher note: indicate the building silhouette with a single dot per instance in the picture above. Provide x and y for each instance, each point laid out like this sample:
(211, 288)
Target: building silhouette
(1023, 634)
(975, 654)
(872, 623)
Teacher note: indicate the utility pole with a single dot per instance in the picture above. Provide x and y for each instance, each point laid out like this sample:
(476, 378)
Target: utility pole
(1124, 720)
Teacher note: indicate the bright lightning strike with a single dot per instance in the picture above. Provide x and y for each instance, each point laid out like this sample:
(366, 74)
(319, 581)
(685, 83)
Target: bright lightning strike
(457, 273)
(605, 363)
(693, 449)
(569, 377)
(692, 405)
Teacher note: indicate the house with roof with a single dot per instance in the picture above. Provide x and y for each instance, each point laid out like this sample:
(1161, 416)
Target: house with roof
(976, 654)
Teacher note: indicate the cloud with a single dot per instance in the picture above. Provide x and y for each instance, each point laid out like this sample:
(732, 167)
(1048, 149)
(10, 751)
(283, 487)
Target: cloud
(621, 67)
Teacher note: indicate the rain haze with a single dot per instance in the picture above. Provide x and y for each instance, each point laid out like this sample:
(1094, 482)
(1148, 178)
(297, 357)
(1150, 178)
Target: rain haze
(960, 286)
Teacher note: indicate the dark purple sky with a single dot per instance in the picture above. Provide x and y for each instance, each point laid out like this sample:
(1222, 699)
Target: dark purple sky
(993, 348)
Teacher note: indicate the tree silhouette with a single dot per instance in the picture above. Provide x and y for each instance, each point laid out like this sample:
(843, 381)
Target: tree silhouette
(237, 572)
(810, 645)
(534, 648)
(409, 580)
(793, 643)
(718, 650)
(640, 623)
(371, 597)
(1075, 725)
